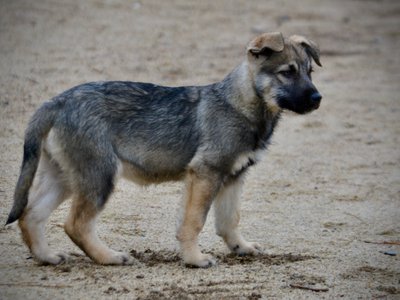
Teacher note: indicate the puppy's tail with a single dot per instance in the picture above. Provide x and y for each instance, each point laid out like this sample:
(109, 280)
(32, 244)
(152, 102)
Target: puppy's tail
(39, 126)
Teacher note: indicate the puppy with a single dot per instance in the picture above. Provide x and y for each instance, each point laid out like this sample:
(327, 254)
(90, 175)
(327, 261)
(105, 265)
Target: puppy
(80, 142)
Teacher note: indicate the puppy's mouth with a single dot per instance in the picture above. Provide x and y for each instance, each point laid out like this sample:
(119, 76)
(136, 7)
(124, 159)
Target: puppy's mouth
(310, 108)
(305, 111)
(299, 107)
(316, 106)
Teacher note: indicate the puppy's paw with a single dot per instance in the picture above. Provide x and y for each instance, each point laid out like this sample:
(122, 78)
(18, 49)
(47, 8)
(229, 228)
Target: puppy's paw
(52, 258)
(247, 248)
(117, 258)
(200, 261)
(125, 259)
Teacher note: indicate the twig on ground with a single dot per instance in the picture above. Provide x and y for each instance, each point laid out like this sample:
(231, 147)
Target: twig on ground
(310, 288)
(354, 216)
(33, 284)
(383, 242)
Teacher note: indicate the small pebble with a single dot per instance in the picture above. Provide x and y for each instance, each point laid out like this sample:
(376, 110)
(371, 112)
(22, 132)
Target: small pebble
(65, 269)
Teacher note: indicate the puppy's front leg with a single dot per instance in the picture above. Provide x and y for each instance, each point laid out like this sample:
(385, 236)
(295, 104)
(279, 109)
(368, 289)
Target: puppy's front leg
(200, 191)
(227, 216)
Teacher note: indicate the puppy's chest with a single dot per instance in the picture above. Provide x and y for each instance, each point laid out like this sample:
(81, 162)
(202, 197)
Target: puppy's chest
(244, 161)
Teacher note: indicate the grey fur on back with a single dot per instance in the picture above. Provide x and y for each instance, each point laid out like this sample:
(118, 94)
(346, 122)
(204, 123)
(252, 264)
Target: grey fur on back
(159, 129)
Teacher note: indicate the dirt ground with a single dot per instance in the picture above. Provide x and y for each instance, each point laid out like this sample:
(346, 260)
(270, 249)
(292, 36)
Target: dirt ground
(325, 200)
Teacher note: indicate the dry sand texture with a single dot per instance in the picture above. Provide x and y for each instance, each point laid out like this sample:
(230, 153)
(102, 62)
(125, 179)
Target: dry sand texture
(328, 184)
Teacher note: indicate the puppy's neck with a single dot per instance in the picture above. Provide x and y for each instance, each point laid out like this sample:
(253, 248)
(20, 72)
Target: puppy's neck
(239, 86)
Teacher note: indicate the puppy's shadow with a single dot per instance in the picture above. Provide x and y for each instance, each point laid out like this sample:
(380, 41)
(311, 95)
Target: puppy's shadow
(153, 258)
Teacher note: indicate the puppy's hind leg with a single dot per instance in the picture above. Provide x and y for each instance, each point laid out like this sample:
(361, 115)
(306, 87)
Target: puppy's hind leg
(80, 227)
(227, 216)
(94, 189)
(47, 193)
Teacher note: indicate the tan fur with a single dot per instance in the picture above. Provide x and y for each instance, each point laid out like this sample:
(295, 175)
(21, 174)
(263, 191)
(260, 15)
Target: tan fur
(272, 40)
(26, 236)
(133, 174)
(199, 195)
(80, 227)
(311, 45)
(47, 193)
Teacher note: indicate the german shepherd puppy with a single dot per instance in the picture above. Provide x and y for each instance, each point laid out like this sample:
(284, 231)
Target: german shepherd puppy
(79, 144)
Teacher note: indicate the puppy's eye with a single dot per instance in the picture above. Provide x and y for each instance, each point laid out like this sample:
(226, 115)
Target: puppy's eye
(287, 73)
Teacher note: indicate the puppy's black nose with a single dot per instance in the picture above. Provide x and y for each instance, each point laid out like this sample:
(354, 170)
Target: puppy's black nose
(316, 97)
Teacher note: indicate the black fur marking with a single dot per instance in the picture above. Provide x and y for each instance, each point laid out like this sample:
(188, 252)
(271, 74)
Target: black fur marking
(238, 173)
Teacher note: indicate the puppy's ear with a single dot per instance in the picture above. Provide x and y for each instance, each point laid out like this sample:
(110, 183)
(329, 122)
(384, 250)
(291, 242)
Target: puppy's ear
(266, 44)
(311, 47)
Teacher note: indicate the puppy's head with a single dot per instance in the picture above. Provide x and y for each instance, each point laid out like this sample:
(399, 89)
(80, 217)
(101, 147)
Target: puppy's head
(280, 69)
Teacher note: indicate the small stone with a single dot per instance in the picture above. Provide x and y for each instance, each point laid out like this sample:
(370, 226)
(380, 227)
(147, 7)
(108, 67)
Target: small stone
(65, 269)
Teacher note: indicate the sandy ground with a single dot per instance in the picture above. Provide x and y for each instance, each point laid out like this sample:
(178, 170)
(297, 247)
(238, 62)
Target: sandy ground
(323, 201)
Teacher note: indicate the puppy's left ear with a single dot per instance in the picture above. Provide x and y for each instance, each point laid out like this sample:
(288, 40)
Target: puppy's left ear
(311, 47)
(266, 44)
